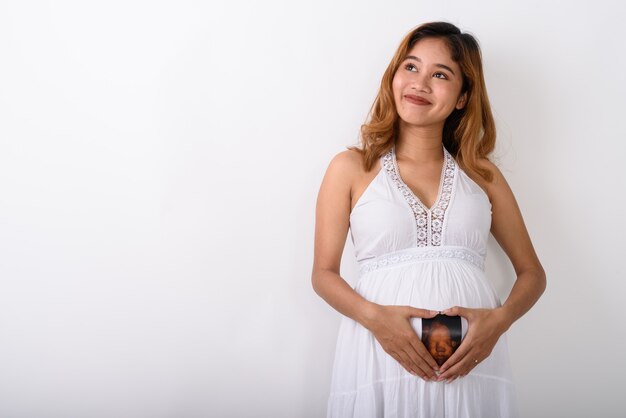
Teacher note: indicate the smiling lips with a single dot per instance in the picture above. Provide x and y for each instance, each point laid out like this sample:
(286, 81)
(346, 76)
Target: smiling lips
(416, 99)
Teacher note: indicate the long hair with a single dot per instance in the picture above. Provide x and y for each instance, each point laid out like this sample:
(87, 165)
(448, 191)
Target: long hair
(468, 133)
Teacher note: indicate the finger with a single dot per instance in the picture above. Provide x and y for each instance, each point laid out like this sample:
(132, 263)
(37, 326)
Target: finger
(460, 368)
(452, 373)
(462, 373)
(399, 360)
(452, 380)
(406, 366)
(406, 362)
(419, 366)
(452, 370)
(458, 358)
(421, 351)
(419, 312)
(460, 353)
(457, 310)
(419, 363)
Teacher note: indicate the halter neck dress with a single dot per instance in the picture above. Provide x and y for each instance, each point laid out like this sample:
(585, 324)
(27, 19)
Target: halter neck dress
(434, 259)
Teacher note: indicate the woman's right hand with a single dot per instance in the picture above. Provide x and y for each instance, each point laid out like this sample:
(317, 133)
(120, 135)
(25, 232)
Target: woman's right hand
(392, 328)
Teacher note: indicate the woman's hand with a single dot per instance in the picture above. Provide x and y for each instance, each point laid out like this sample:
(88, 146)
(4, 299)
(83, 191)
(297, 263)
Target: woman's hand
(485, 326)
(392, 328)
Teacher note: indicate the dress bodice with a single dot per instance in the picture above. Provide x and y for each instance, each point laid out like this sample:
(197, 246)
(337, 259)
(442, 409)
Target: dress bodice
(411, 256)
(388, 217)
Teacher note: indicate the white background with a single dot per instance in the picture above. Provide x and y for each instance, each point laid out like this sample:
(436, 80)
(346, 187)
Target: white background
(159, 167)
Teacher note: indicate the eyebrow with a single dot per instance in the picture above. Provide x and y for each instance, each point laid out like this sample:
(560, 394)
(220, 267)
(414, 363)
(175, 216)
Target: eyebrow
(436, 65)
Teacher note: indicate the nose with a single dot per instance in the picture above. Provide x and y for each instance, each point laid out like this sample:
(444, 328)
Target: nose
(421, 82)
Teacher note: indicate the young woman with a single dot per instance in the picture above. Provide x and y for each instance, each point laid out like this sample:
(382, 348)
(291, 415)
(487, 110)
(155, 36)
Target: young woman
(420, 197)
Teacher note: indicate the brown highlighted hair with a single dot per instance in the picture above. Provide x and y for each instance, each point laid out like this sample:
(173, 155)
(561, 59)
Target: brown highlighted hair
(468, 133)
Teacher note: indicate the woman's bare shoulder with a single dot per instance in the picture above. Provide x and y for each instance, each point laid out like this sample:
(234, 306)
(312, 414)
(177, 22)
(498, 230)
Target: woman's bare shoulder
(498, 177)
(346, 165)
(351, 158)
(499, 191)
(341, 173)
(488, 187)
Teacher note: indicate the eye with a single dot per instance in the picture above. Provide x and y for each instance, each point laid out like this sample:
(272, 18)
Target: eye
(437, 74)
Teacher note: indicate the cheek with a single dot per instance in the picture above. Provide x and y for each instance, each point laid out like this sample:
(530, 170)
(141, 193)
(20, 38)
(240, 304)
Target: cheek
(448, 100)
(396, 84)
(453, 92)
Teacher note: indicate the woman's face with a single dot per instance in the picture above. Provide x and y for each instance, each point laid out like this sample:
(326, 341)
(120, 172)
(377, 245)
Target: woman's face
(428, 72)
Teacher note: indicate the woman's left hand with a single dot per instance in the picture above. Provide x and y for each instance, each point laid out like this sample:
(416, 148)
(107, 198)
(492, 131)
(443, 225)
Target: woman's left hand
(485, 326)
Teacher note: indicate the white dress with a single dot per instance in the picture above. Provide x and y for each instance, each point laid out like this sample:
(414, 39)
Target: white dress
(431, 259)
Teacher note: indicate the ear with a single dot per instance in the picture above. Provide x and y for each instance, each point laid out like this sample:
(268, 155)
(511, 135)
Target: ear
(460, 104)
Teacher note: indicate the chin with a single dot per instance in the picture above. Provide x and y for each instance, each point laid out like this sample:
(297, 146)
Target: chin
(419, 122)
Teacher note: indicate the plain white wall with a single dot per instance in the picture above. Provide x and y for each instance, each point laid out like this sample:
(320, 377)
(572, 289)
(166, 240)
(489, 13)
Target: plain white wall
(159, 167)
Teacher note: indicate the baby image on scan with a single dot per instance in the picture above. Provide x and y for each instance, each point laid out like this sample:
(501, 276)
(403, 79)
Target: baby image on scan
(441, 336)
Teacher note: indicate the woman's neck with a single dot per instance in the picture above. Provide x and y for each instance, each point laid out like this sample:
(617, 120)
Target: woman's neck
(420, 144)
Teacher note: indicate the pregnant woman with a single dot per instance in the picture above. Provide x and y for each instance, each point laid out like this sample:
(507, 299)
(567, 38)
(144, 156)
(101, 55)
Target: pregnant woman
(420, 198)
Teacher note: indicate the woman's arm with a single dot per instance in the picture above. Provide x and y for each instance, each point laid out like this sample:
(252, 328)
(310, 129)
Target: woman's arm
(509, 230)
(390, 325)
(332, 220)
(487, 325)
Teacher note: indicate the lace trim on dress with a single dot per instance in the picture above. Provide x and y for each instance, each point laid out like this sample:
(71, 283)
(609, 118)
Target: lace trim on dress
(429, 222)
(413, 254)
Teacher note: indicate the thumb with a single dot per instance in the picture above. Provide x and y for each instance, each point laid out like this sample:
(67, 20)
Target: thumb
(456, 310)
(421, 313)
